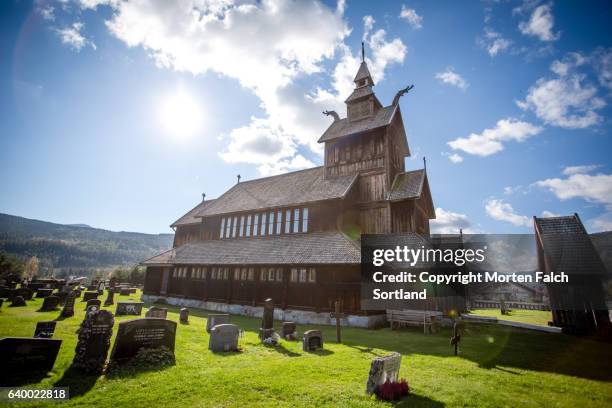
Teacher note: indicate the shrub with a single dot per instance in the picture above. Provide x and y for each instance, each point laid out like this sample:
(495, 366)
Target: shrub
(392, 390)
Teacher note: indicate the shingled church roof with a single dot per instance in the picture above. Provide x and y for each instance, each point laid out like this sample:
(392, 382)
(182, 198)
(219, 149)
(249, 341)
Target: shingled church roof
(315, 248)
(190, 217)
(567, 247)
(344, 127)
(407, 185)
(295, 188)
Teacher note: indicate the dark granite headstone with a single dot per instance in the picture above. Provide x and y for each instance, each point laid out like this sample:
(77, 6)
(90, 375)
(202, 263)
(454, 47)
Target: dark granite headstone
(129, 308)
(124, 292)
(61, 296)
(288, 330)
(312, 340)
(24, 355)
(17, 301)
(109, 298)
(135, 335)
(215, 319)
(45, 330)
(43, 293)
(94, 341)
(68, 310)
(157, 312)
(49, 304)
(93, 303)
(267, 322)
(184, 315)
(89, 295)
(25, 293)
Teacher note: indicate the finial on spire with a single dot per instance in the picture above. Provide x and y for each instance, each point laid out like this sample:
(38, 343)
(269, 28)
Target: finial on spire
(238, 177)
(424, 163)
(203, 196)
(362, 52)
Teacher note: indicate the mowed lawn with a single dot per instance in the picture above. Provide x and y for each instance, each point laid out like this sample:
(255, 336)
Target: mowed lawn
(497, 366)
(539, 317)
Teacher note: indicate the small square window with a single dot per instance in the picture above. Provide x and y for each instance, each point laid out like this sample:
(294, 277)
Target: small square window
(294, 275)
(271, 274)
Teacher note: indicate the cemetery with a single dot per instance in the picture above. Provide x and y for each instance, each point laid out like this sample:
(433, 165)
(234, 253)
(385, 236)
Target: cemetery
(164, 355)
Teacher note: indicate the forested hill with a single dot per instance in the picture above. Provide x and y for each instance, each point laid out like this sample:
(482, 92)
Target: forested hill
(76, 246)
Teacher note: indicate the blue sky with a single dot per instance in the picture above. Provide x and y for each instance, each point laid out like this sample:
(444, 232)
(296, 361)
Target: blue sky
(120, 114)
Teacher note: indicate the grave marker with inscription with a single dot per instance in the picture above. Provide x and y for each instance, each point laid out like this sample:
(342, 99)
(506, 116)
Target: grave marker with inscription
(267, 321)
(68, 310)
(109, 298)
(25, 293)
(129, 308)
(288, 330)
(148, 333)
(23, 355)
(312, 340)
(94, 341)
(184, 315)
(93, 303)
(17, 301)
(383, 369)
(224, 337)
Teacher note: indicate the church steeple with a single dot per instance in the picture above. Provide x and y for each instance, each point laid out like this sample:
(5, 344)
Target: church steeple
(362, 103)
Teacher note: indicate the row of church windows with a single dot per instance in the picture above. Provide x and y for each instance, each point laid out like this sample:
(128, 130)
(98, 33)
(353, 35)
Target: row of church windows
(266, 223)
(301, 275)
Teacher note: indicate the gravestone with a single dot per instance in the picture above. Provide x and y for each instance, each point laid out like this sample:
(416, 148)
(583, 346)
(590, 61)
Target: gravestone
(312, 340)
(224, 337)
(267, 321)
(94, 341)
(61, 296)
(44, 330)
(288, 330)
(43, 293)
(383, 369)
(17, 301)
(124, 292)
(101, 288)
(89, 295)
(23, 355)
(49, 304)
(215, 319)
(109, 298)
(129, 308)
(134, 335)
(93, 303)
(184, 315)
(157, 312)
(77, 293)
(68, 310)
(25, 293)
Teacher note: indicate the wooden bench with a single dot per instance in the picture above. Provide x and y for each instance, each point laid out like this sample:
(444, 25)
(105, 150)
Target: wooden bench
(429, 319)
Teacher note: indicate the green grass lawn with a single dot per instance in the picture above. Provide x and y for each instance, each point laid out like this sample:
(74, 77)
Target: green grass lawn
(497, 366)
(539, 317)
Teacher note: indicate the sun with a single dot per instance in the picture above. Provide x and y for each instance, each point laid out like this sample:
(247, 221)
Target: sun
(180, 115)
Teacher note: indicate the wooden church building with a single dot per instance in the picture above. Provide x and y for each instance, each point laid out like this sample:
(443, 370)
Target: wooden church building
(294, 237)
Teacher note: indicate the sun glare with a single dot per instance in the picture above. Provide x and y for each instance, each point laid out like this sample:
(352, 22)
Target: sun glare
(181, 115)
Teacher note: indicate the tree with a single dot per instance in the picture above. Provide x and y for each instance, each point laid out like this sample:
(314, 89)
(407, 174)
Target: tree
(11, 269)
(137, 274)
(31, 267)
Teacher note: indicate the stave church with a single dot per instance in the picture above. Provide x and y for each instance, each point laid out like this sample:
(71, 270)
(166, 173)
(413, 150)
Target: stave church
(294, 237)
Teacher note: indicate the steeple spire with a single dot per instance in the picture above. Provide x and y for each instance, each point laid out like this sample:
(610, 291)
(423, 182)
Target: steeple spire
(362, 52)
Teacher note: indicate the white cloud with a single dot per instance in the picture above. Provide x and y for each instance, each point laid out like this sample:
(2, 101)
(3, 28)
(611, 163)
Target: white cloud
(502, 211)
(540, 24)
(47, 12)
(72, 36)
(368, 24)
(450, 77)
(547, 213)
(568, 171)
(448, 222)
(490, 141)
(268, 47)
(568, 101)
(602, 61)
(411, 16)
(593, 188)
(493, 42)
(296, 163)
(455, 158)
